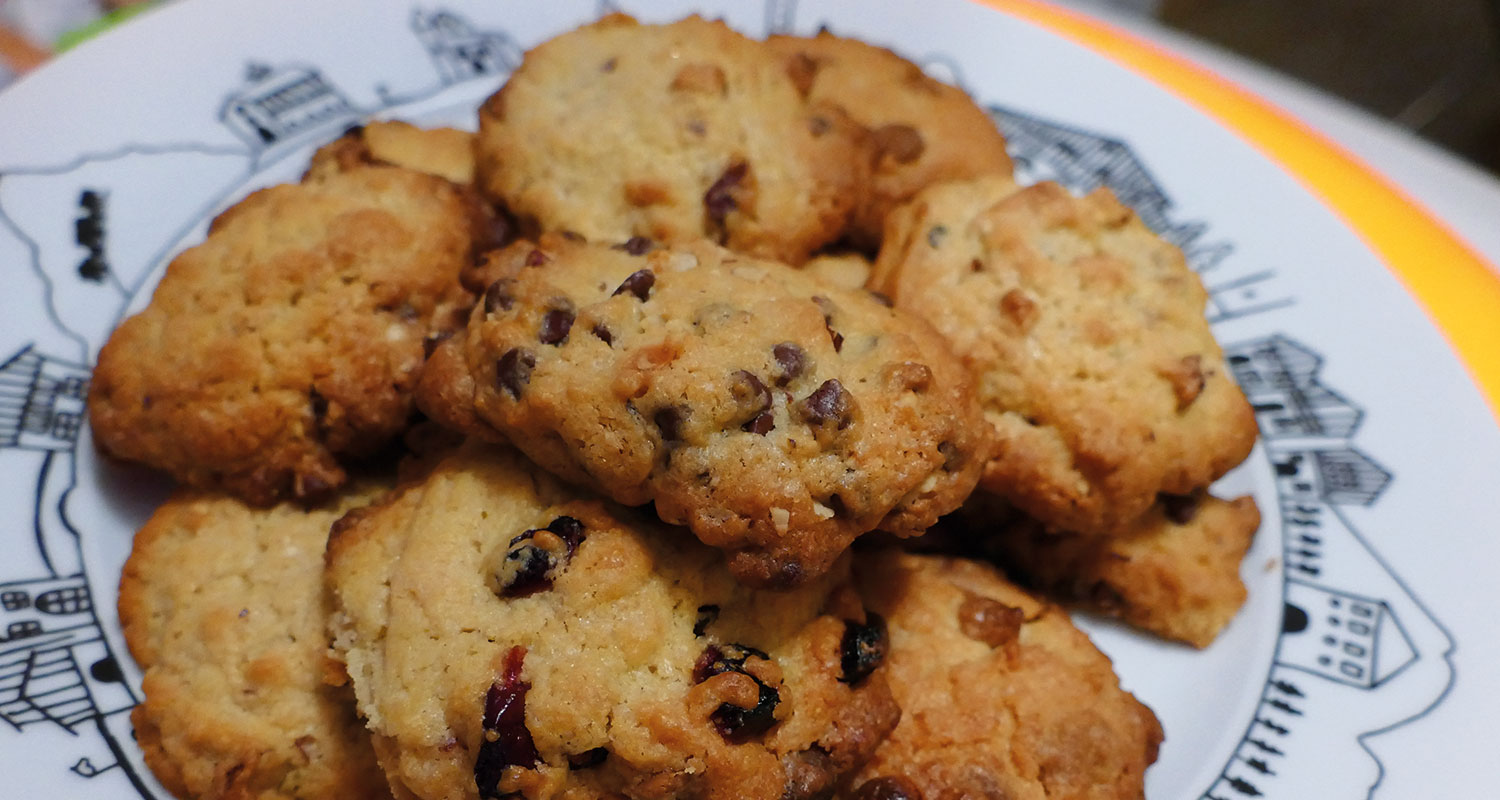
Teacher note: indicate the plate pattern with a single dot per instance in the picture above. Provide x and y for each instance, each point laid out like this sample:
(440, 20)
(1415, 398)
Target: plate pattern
(1356, 654)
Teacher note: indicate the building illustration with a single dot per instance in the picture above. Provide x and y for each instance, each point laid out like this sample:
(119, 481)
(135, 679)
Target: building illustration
(277, 105)
(1279, 377)
(41, 401)
(459, 51)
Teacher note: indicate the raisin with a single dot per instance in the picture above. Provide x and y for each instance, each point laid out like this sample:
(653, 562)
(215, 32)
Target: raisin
(717, 658)
(754, 402)
(809, 774)
(862, 649)
(707, 615)
(555, 325)
(990, 621)
(513, 370)
(720, 199)
(828, 308)
(506, 741)
(500, 296)
(791, 362)
(888, 789)
(639, 283)
(739, 725)
(531, 562)
(1179, 508)
(588, 758)
(602, 331)
(636, 246)
(569, 529)
(830, 402)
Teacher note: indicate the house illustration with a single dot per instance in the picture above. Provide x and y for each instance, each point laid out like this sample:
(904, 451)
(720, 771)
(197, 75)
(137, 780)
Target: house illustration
(41, 401)
(278, 105)
(1342, 636)
(459, 51)
(1280, 379)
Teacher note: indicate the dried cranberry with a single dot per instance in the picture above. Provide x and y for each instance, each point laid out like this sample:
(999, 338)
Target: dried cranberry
(506, 741)
(669, 421)
(734, 723)
(530, 566)
(638, 283)
(791, 362)
(862, 649)
(513, 370)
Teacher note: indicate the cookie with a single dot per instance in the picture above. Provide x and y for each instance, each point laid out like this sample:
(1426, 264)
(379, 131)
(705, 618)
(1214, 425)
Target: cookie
(674, 132)
(1174, 572)
(508, 636)
(445, 152)
(924, 131)
(290, 339)
(224, 609)
(776, 416)
(1001, 696)
(845, 270)
(1086, 334)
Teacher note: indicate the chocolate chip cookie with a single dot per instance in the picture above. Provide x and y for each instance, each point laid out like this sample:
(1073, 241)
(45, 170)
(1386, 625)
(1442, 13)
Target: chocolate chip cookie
(1086, 334)
(508, 636)
(1001, 696)
(924, 131)
(289, 340)
(224, 609)
(445, 152)
(674, 132)
(776, 416)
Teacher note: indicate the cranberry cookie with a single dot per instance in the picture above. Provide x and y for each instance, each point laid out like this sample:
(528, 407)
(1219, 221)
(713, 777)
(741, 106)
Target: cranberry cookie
(290, 339)
(777, 416)
(509, 637)
(1085, 332)
(924, 131)
(675, 132)
(224, 609)
(1001, 696)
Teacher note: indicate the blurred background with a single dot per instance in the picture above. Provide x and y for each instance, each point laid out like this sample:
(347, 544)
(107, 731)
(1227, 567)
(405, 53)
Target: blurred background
(1431, 67)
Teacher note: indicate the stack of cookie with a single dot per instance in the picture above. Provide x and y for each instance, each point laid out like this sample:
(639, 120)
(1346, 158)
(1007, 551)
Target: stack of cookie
(690, 315)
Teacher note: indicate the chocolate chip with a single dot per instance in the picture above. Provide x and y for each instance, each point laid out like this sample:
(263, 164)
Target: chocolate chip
(555, 325)
(603, 333)
(638, 283)
(513, 370)
(935, 235)
(990, 621)
(319, 406)
(506, 741)
(1179, 508)
(827, 307)
(569, 529)
(720, 198)
(495, 232)
(901, 142)
(669, 421)
(707, 615)
(790, 361)
(431, 341)
(830, 402)
(894, 788)
(862, 649)
(836, 505)
(588, 758)
(609, 65)
(636, 246)
(810, 774)
(753, 402)
(500, 296)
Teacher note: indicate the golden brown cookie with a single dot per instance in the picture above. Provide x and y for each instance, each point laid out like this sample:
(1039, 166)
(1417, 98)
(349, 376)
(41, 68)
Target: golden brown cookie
(510, 637)
(290, 339)
(924, 131)
(777, 416)
(674, 132)
(445, 152)
(224, 609)
(1174, 572)
(1086, 335)
(1001, 696)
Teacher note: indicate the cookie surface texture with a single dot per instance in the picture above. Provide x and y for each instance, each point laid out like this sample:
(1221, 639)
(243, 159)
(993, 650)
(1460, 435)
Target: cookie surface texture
(223, 608)
(291, 336)
(776, 416)
(1001, 695)
(445, 152)
(673, 132)
(924, 131)
(1087, 338)
(1175, 572)
(508, 638)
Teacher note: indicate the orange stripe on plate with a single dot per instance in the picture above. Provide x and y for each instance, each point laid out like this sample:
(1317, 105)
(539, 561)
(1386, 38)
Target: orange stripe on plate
(1456, 288)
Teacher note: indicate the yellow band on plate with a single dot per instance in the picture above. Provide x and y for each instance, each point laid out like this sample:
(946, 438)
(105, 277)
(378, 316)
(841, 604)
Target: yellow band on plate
(1456, 288)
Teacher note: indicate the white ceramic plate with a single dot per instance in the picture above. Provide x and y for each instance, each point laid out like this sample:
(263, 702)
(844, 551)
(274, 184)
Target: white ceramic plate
(1375, 441)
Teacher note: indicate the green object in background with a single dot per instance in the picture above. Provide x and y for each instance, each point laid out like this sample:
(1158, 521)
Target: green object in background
(73, 38)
